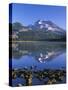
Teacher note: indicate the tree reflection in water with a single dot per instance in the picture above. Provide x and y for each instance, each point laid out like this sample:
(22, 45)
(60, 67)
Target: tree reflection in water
(42, 52)
(39, 49)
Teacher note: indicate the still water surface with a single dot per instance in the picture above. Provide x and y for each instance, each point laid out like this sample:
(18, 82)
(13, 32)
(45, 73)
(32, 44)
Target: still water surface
(38, 56)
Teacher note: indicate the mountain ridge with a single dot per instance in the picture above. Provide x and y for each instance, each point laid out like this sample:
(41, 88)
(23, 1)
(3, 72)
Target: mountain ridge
(40, 30)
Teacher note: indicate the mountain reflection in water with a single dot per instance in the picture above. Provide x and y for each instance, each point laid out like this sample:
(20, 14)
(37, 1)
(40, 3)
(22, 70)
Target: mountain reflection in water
(38, 55)
(40, 50)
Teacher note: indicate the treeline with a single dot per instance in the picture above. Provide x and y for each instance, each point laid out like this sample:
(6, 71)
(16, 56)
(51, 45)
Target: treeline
(33, 35)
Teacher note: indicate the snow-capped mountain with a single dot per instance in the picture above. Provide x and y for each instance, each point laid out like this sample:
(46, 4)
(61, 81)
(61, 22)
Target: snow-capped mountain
(46, 25)
(40, 31)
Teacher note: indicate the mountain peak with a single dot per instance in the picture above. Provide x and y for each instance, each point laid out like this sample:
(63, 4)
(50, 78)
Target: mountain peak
(47, 25)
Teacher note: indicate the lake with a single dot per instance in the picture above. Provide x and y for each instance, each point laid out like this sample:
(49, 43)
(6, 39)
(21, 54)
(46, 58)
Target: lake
(35, 62)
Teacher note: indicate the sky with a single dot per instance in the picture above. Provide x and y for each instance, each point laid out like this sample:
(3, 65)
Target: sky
(27, 14)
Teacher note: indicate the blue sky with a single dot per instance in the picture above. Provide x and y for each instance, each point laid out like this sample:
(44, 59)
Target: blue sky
(28, 14)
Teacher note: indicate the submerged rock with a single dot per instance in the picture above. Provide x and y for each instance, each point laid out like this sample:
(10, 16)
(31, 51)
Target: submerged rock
(46, 76)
